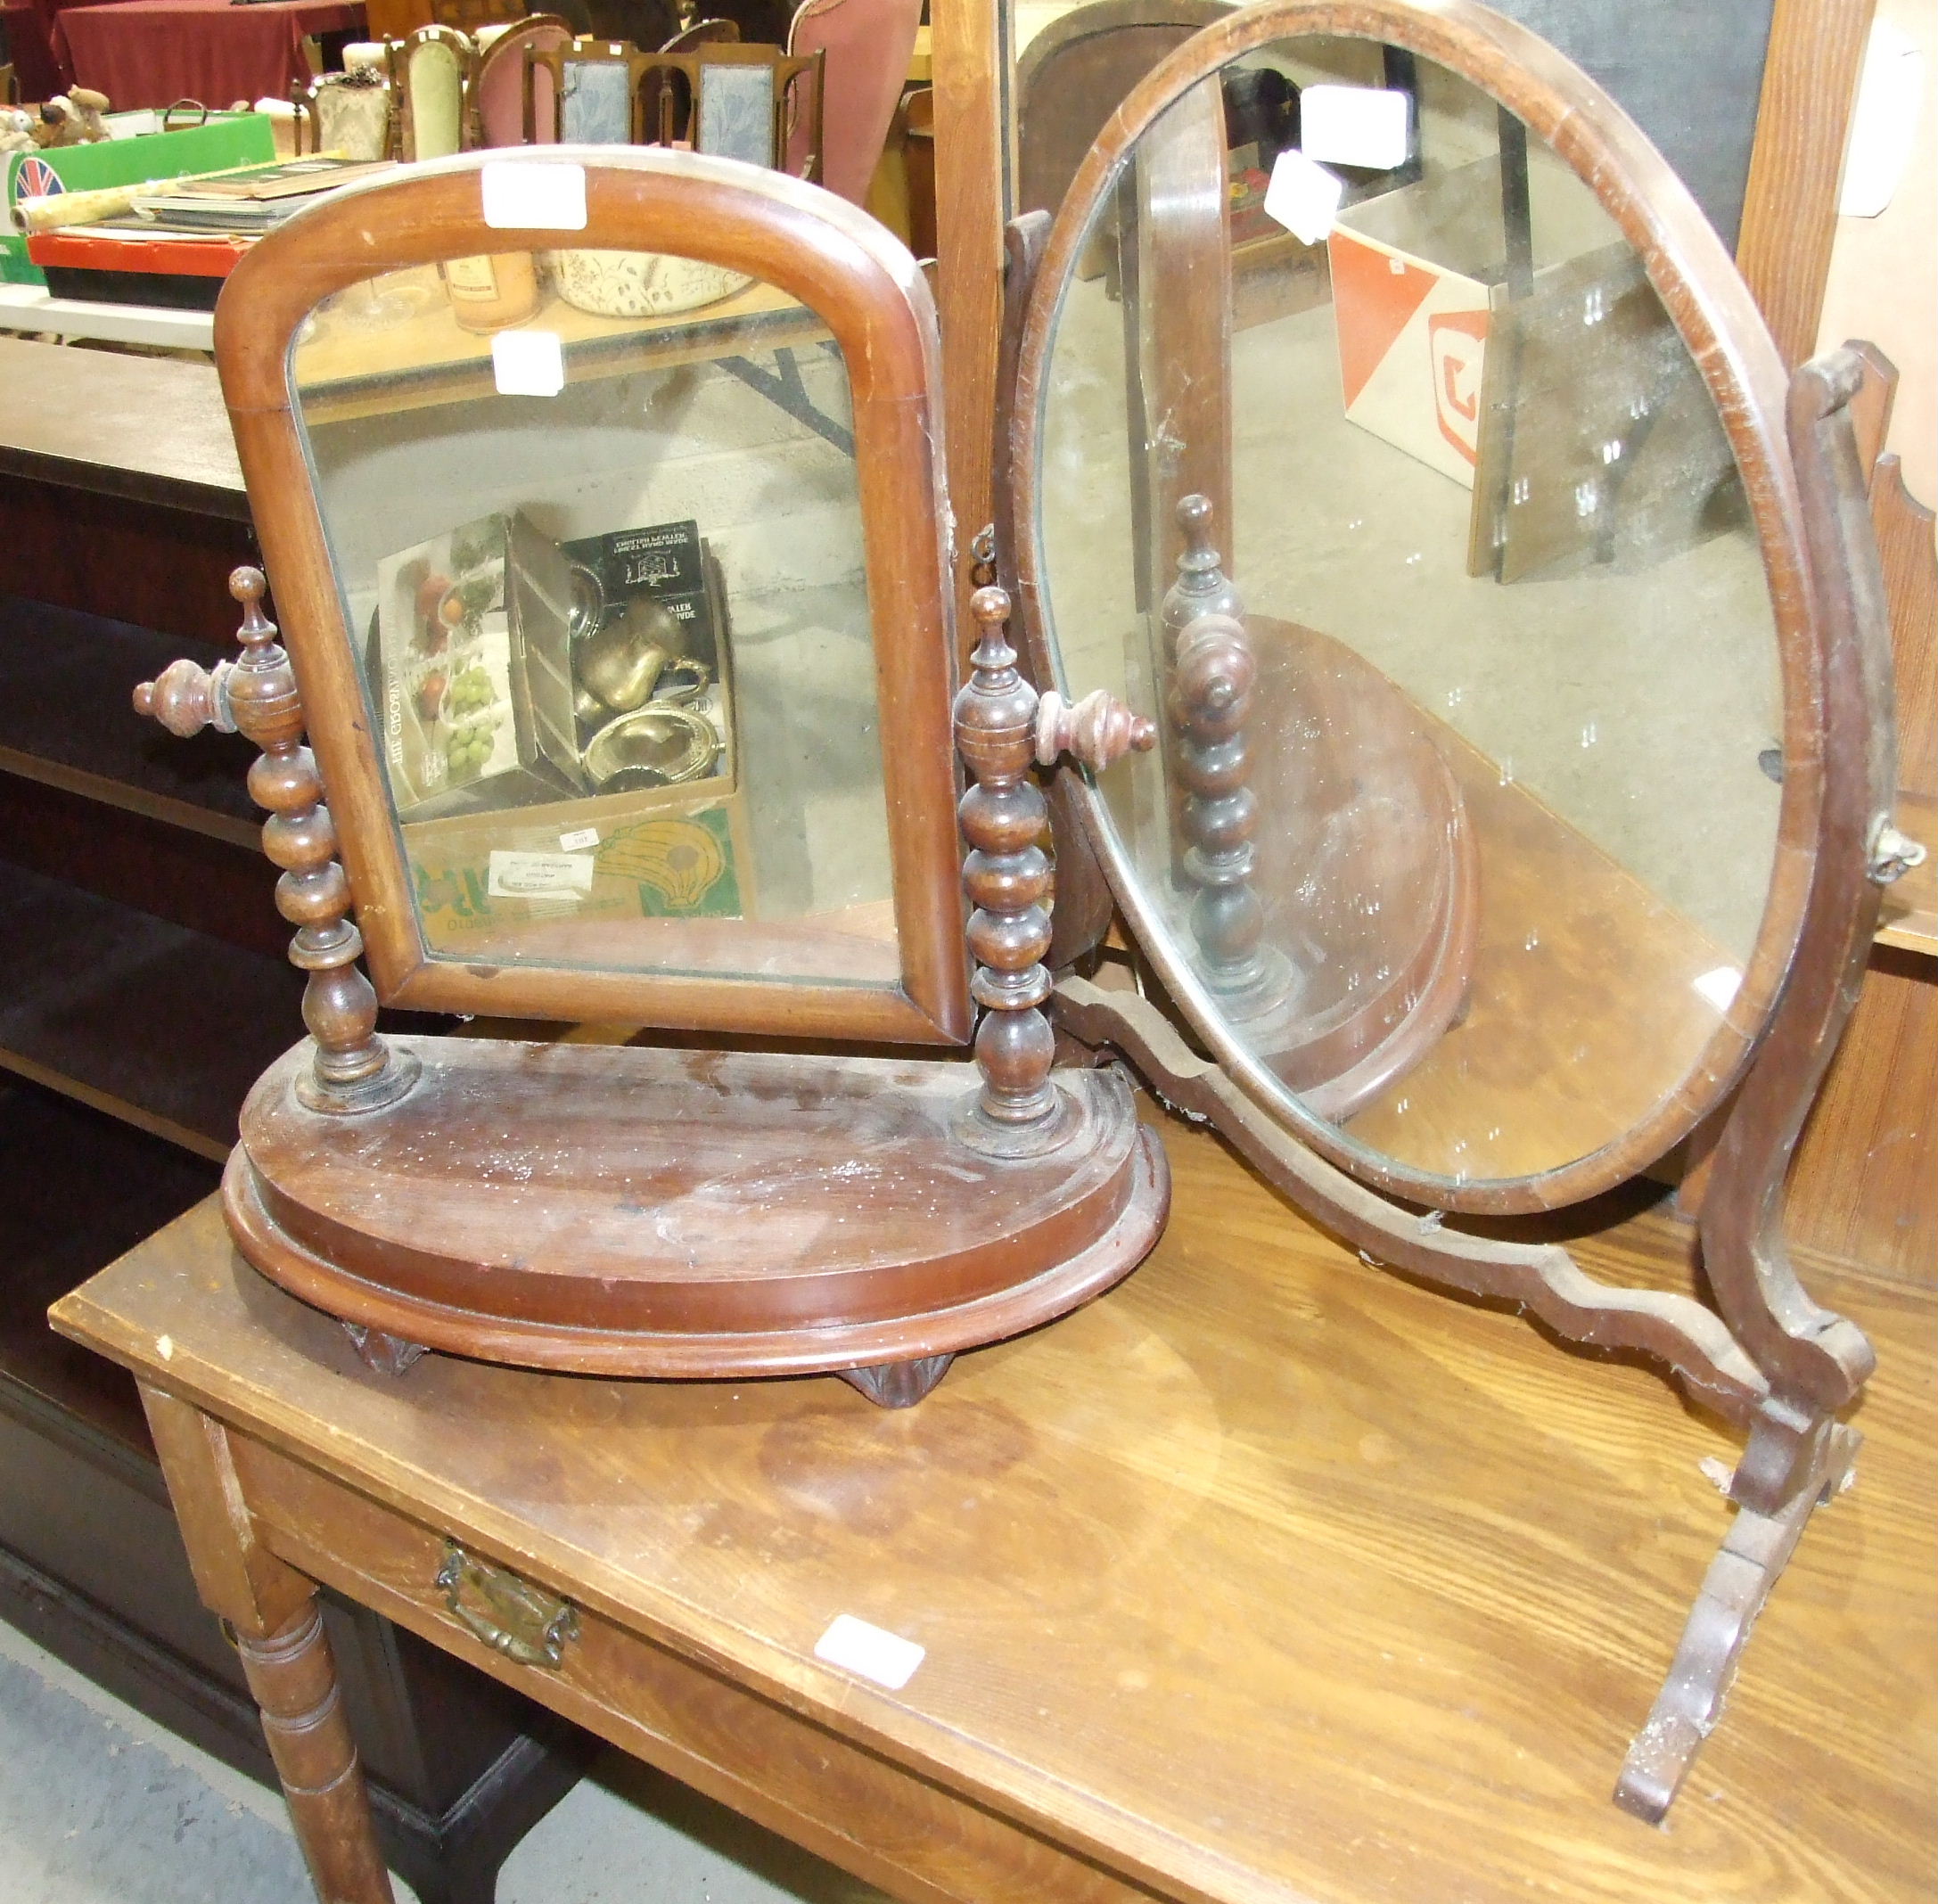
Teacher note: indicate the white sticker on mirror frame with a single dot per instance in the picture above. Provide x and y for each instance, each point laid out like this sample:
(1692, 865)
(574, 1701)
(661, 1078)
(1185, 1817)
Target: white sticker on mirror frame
(523, 195)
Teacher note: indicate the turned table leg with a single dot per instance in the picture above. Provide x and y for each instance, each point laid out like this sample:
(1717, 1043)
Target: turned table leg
(277, 1624)
(293, 1678)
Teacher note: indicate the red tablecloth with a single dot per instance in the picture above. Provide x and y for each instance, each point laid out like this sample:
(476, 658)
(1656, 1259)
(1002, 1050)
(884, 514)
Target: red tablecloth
(151, 52)
(40, 68)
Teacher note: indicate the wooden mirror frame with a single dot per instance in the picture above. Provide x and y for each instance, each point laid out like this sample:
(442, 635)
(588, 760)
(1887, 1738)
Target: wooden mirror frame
(1713, 313)
(1765, 1357)
(854, 276)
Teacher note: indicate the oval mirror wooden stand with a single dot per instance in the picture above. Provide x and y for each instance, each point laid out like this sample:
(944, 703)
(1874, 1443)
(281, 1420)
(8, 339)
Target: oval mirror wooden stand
(465, 651)
(1394, 875)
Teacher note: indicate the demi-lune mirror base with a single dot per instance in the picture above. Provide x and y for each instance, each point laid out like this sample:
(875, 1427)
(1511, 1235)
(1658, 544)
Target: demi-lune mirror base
(632, 1212)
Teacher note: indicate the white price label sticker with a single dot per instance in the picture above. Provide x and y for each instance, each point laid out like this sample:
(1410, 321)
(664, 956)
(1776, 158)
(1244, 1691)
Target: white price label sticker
(577, 843)
(528, 196)
(1883, 121)
(875, 1653)
(1360, 126)
(536, 876)
(528, 363)
(1303, 197)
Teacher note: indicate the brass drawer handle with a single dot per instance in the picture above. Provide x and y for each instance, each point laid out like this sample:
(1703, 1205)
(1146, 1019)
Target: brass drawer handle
(523, 1622)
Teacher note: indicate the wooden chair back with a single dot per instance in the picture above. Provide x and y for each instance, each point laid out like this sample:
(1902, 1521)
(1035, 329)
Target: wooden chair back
(719, 98)
(433, 75)
(331, 116)
(501, 78)
(653, 107)
(866, 44)
(758, 103)
(583, 92)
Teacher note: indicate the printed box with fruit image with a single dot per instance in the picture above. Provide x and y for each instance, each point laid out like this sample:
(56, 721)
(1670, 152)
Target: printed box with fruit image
(511, 671)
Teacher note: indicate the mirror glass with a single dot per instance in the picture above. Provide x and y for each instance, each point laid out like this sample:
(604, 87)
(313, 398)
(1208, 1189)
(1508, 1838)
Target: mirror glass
(1371, 466)
(595, 525)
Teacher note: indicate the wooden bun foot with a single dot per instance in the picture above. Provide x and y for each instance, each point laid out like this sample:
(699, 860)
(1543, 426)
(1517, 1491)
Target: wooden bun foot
(389, 1355)
(898, 1385)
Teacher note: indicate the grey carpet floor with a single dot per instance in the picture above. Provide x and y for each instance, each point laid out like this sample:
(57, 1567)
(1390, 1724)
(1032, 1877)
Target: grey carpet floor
(100, 1805)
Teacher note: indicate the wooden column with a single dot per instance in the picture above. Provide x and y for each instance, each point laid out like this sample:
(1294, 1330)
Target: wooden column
(970, 52)
(1802, 125)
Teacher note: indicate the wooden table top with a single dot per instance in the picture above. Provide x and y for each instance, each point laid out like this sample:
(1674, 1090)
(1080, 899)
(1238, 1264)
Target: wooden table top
(152, 429)
(1267, 1576)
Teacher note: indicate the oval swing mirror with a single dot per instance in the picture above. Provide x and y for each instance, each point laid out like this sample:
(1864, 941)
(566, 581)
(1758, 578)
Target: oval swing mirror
(1434, 502)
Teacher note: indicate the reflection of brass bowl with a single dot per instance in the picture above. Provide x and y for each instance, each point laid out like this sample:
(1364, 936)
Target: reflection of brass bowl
(660, 745)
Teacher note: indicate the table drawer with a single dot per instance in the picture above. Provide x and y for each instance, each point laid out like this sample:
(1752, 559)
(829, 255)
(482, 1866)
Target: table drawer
(843, 1800)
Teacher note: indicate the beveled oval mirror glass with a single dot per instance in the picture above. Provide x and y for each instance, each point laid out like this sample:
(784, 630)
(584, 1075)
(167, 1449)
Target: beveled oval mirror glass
(1464, 819)
(596, 523)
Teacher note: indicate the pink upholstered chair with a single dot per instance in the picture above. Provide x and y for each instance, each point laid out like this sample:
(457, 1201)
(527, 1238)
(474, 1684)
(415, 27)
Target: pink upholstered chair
(867, 44)
(501, 80)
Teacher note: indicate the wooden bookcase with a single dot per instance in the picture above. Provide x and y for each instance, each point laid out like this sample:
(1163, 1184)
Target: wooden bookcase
(143, 987)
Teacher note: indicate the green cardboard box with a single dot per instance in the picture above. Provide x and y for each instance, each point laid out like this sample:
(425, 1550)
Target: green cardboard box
(227, 139)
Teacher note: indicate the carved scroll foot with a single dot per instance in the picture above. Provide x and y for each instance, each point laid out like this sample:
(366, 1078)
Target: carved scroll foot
(899, 1385)
(389, 1355)
(1739, 1580)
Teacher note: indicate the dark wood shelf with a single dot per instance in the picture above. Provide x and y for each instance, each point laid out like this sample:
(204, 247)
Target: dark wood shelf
(67, 720)
(141, 429)
(161, 1026)
(77, 1189)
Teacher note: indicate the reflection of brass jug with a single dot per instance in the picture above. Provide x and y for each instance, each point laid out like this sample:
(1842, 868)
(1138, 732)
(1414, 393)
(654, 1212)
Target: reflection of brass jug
(618, 660)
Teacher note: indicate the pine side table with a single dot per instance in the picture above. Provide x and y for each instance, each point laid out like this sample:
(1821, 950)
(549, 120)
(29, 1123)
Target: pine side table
(1266, 1578)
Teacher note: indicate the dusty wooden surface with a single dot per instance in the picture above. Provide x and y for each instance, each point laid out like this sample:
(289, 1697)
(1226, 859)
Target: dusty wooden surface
(151, 429)
(1266, 1577)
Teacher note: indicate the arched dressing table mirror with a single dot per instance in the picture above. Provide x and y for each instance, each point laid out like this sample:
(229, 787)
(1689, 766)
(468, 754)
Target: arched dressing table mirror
(601, 496)
(1523, 787)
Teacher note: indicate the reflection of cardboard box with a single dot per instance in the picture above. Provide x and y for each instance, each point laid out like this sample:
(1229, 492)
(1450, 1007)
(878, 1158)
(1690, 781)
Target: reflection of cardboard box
(1412, 272)
(483, 881)
(473, 669)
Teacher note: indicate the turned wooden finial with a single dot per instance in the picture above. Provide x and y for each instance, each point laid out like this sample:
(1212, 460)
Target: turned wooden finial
(1202, 587)
(1099, 730)
(186, 699)
(355, 1070)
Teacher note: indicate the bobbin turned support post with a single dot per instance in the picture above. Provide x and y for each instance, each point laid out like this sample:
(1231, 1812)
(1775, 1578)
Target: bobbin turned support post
(1019, 1112)
(1212, 672)
(355, 1068)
